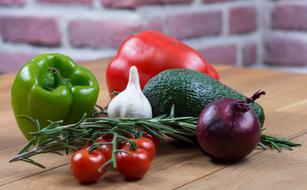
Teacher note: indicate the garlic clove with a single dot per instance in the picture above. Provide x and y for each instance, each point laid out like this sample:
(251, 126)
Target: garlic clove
(131, 102)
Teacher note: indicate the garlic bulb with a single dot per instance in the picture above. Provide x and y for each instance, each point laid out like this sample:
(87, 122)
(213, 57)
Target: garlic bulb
(131, 102)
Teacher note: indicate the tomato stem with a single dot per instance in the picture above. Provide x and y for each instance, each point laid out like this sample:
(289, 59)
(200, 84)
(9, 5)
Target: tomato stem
(115, 140)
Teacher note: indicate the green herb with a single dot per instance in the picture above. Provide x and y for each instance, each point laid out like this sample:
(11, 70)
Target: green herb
(277, 143)
(59, 137)
(62, 137)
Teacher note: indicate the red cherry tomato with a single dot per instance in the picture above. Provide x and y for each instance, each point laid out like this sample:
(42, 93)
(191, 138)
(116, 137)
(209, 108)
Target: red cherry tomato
(146, 144)
(84, 165)
(105, 149)
(154, 139)
(107, 137)
(133, 165)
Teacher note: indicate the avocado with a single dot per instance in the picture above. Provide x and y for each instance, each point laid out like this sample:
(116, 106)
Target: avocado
(189, 91)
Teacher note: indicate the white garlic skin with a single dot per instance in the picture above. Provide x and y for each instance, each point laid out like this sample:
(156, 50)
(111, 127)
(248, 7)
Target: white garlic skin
(130, 103)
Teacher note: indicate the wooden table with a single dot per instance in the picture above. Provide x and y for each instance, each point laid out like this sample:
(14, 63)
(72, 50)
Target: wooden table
(177, 166)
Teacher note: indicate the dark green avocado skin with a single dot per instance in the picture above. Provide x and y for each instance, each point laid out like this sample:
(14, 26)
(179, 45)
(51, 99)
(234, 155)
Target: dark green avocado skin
(189, 91)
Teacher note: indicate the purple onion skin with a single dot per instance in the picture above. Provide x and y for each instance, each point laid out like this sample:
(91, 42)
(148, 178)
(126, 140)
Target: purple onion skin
(226, 133)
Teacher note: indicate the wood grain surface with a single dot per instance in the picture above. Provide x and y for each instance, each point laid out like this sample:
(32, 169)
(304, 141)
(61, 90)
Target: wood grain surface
(178, 166)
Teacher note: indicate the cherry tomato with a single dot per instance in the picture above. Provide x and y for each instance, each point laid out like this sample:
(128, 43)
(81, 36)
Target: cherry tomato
(84, 165)
(154, 139)
(107, 137)
(133, 165)
(146, 144)
(106, 149)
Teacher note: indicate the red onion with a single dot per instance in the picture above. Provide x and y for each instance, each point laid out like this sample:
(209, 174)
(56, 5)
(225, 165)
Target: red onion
(228, 129)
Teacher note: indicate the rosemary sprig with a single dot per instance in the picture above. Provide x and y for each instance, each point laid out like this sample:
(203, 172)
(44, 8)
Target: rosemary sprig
(57, 136)
(61, 137)
(277, 143)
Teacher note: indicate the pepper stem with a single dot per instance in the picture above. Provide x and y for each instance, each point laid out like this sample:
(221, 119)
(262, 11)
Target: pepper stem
(54, 79)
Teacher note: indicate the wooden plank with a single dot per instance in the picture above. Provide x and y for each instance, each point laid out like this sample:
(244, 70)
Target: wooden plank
(171, 161)
(169, 155)
(175, 174)
(273, 83)
(188, 167)
(264, 171)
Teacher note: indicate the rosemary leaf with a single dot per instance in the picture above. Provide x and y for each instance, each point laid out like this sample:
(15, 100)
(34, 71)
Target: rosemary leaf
(27, 146)
(28, 160)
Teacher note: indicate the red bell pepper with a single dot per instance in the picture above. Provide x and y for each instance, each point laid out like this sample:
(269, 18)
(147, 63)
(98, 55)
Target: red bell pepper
(153, 52)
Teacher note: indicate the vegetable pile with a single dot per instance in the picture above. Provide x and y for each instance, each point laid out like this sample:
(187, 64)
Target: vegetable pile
(58, 113)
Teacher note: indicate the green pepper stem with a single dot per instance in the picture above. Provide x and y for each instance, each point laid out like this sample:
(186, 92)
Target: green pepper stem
(54, 79)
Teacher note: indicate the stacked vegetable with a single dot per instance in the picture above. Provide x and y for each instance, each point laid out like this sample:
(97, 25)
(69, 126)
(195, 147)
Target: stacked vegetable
(58, 113)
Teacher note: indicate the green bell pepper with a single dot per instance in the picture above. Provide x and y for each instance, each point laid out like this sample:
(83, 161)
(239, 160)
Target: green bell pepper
(51, 87)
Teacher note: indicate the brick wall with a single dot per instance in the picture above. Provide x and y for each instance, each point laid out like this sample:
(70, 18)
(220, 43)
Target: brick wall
(234, 32)
(285, 38)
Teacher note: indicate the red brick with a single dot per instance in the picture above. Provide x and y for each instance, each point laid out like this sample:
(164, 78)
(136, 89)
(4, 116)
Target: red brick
(195, 24)
(215, 1)
(12, 2)
(11, 62)
(104, 34)
(285, 51)
(41, 31)
(292, 17)
(249, 54)
(224, 54)
(242, 20)
(137, 3)
(68, 2)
